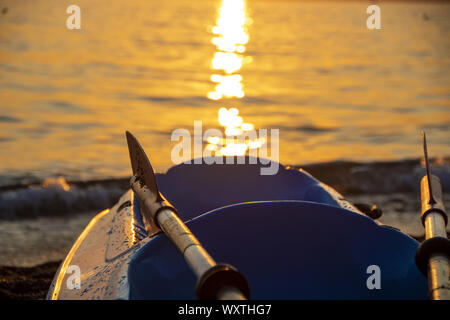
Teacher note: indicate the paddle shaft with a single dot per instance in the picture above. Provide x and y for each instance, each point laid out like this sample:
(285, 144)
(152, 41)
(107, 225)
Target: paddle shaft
(214, 281)
(187, 244)
(433, 213)
(193, 252)
(439, 265)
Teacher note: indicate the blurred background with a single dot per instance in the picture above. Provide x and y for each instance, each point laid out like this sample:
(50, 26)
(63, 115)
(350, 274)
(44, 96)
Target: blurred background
(338, 92)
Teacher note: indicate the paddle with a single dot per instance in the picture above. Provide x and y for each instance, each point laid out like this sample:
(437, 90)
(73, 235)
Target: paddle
(433, 255)
(214, 281)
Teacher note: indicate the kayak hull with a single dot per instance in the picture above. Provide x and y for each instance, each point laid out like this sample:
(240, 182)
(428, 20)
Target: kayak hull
(292, 237)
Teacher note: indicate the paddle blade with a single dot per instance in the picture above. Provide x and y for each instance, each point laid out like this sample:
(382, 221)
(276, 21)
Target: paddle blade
(427, 168)
(140, 164)
(144, 176)
(430, 188)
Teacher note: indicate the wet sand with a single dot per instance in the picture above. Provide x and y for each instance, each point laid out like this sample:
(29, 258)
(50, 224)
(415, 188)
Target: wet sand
(18, 283)
(31, 242)
(30, 260)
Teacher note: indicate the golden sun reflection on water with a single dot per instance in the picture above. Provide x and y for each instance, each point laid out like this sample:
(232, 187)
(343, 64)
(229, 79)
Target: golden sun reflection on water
(230, 38)
(238, 137)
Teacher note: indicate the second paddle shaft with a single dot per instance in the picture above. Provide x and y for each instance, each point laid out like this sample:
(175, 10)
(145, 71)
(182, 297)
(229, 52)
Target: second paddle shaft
(433, 254)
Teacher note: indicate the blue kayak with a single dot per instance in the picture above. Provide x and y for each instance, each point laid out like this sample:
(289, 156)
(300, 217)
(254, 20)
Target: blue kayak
(292, 236)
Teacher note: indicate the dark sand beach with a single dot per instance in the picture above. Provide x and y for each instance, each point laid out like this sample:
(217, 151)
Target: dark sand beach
(31, 283)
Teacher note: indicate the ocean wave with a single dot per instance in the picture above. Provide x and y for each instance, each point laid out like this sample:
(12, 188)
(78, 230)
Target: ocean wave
(9, 119)
(311, 128)
(201, 101)
(55, 196)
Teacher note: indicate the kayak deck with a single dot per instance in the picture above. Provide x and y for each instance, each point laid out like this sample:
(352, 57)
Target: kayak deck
(287, 253)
